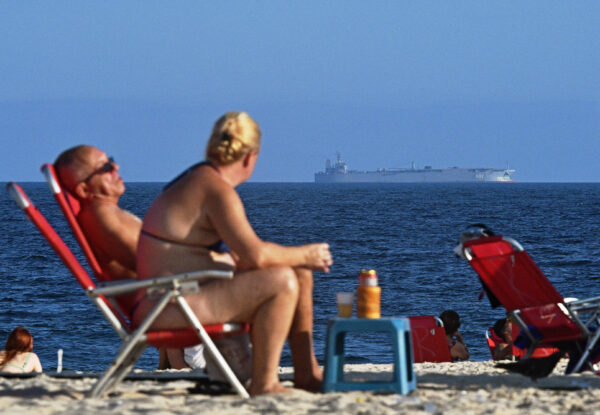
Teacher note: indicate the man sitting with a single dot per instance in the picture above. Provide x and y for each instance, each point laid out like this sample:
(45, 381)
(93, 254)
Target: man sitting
(93, 179)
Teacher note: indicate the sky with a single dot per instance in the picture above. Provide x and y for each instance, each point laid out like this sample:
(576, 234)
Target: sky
(385, 83)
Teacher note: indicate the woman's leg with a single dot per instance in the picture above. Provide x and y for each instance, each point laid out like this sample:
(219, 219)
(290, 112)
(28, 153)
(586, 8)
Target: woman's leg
(307, 373)
(265, 298)
(270, 327)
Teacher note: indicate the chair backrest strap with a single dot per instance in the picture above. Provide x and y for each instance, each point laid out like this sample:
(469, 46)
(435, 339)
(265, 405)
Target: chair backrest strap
(70, 208)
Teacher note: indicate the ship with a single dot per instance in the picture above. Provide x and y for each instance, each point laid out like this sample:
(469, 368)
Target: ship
(339, 173)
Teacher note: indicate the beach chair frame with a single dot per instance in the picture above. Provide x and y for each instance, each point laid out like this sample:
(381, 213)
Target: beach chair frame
(135, 340)
(540, 306)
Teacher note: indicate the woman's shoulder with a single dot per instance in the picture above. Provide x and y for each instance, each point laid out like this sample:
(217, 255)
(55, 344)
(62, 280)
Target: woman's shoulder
(32, 358)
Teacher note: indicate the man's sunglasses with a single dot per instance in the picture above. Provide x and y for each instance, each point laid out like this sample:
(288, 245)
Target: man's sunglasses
(106, 168)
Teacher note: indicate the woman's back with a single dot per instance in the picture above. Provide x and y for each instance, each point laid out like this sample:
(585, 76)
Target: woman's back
(177, 234)
(25, 362)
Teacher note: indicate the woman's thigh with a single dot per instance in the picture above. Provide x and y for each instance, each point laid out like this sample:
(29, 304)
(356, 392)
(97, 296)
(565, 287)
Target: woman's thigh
(236, 299)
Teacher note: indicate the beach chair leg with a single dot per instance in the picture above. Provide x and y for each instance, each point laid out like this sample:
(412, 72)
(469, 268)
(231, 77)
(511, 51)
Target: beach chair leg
(212, 348)
(131, 349)
(591, 344)
(119, 369)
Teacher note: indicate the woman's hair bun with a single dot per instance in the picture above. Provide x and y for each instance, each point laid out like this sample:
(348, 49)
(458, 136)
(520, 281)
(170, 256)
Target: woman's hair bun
(234, 135)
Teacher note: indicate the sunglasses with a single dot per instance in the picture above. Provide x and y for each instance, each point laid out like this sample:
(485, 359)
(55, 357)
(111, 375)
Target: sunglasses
(106, 168)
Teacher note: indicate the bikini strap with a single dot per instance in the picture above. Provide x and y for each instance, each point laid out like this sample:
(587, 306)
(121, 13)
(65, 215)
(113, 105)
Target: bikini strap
(189, 169)
(26, 360)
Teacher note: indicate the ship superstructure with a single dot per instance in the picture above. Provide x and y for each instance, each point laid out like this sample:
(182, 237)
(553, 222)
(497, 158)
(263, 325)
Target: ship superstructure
(339, 173)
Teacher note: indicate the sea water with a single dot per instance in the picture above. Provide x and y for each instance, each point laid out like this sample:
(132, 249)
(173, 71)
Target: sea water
(405, 232)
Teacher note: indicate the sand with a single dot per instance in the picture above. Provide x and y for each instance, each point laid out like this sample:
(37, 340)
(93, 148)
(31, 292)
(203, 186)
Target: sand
(442, 388)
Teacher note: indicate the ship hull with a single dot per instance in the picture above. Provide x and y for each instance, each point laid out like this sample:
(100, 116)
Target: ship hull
(451, 175)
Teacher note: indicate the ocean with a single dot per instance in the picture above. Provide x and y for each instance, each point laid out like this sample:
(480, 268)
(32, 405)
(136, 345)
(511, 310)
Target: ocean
(405, 232)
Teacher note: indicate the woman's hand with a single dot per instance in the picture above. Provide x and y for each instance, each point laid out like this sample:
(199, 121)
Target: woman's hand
(318, 257)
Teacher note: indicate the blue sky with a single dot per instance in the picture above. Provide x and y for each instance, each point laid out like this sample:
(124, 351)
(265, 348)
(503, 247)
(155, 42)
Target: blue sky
(386, 83)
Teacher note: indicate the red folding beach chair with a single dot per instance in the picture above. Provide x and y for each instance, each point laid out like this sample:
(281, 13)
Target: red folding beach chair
(512, 279)
(136, 339)
(429, 339)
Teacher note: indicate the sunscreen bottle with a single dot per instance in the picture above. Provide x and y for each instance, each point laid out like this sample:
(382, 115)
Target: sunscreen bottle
(368, 295)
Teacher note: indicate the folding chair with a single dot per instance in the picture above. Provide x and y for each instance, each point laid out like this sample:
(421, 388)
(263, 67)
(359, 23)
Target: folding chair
(429, 339)
(136, 339)
(513, 280)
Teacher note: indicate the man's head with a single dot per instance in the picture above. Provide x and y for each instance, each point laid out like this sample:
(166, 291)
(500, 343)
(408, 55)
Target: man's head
(87, 173)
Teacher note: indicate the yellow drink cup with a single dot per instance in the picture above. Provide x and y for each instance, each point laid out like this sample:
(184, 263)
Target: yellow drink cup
(344, 304)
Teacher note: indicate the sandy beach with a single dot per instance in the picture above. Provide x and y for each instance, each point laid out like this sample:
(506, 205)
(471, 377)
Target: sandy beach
(448, 388)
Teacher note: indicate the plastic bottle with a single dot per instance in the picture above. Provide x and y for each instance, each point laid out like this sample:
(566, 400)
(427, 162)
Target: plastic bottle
(368, 295)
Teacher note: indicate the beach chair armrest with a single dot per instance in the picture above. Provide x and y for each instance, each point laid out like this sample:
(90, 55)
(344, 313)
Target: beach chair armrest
(583, 305)
(120, 287)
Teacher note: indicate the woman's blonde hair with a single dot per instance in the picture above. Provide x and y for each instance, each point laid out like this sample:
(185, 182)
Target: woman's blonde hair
(234, 135)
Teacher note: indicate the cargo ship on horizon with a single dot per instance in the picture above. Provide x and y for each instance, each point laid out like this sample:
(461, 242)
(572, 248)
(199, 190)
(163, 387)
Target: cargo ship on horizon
(339, 173)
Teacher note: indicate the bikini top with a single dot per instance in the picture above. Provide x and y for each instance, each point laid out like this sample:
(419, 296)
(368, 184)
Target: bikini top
(189, 169)
(219, 246)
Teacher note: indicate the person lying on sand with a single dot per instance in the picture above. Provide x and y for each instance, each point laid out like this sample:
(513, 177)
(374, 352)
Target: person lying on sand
(199, 222)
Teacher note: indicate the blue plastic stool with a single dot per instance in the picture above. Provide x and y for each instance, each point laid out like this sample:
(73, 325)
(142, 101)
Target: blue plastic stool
(398, 328)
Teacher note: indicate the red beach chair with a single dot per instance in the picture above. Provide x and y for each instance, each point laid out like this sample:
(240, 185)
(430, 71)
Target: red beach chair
(429, 339)
(513, 280)
(136, 339)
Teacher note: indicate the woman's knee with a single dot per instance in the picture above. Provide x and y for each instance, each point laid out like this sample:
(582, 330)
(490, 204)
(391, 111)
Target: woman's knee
(284, 280)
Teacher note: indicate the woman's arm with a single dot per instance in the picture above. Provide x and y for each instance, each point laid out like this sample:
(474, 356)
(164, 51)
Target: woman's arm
(459, 350)
(227, 215)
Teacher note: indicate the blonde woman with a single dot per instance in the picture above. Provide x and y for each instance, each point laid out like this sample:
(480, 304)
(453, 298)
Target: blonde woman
(199, 222)
(17, 356)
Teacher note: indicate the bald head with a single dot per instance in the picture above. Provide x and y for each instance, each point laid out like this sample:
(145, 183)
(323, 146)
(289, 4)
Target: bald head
(73, 165)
